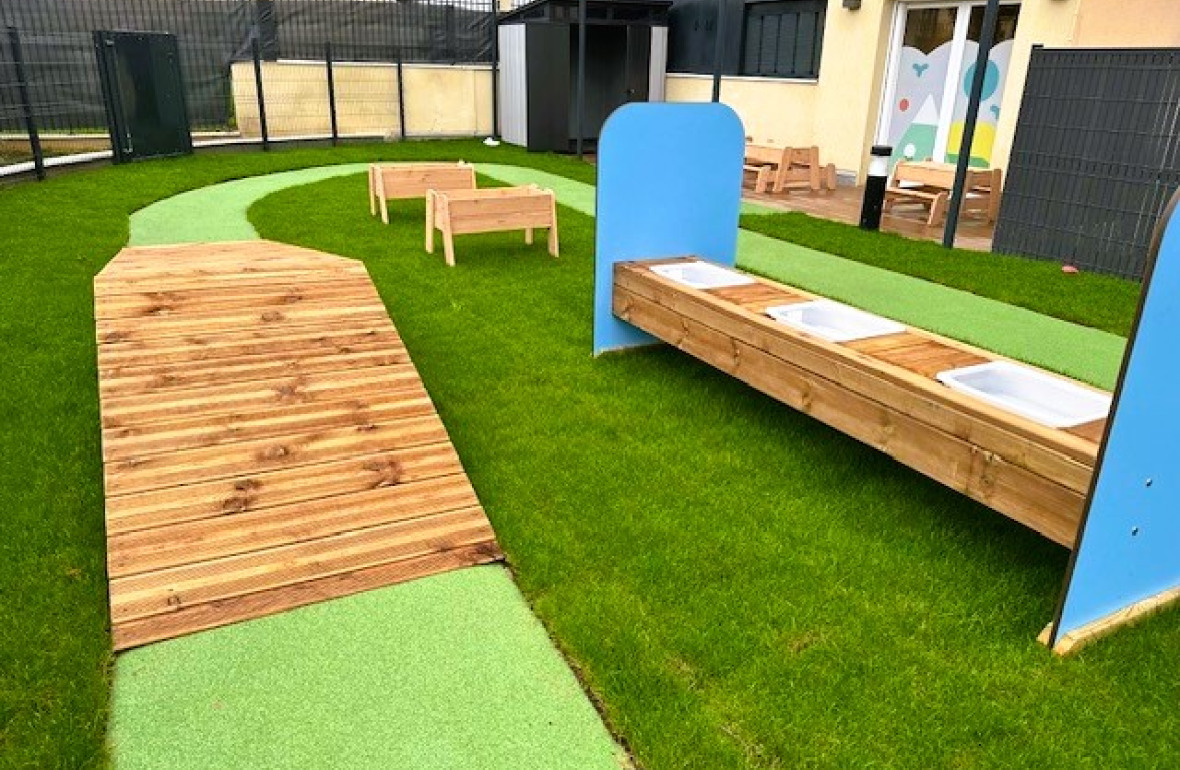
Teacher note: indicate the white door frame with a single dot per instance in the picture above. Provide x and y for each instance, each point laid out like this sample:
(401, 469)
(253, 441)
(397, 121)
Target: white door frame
(954, 74)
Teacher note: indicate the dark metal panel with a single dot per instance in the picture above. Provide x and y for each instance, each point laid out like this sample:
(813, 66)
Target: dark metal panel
(1095, 157)
(144, 93)
(692, 26)
(638, 63)
(547, 64)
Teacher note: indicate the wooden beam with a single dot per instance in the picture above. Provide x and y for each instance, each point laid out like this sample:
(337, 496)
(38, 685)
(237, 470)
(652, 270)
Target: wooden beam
(1073, 641)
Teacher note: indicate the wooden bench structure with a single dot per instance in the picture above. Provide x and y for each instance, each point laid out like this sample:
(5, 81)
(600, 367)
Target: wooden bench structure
(788, 167)
(930, 184)
(267, 442)
(398, 181)
(879, 390)
(494, 209)
(1106, 489)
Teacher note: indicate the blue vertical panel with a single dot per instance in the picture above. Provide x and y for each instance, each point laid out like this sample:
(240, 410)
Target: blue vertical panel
(669, 184)
(1129, 547)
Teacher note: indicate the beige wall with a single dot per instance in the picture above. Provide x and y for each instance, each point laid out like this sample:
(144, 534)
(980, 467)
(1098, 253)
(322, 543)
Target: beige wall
(1042, 22)
(851, 78)
(1128, 23)
(774, 111)
(839, 112)
(440, 100)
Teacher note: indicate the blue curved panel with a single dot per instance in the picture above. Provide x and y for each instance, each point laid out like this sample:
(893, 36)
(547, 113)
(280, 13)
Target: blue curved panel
(1129, 547)
(669, 184)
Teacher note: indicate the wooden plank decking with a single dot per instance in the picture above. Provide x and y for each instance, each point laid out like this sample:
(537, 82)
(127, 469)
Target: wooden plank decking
(267, 442)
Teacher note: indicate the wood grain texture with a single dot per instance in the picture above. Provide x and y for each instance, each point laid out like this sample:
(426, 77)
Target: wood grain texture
(493, 209)
(1074, 640)
(267, 442)
(881, 391)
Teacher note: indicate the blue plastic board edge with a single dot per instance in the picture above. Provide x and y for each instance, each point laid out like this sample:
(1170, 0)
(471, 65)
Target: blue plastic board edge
(669, 184)
(1128, 547)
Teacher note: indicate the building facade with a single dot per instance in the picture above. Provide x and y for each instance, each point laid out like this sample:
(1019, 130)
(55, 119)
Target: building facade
(846, 74)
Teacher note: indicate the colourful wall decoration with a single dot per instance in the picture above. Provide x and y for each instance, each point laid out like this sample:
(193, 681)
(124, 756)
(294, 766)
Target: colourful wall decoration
(989, 103)
(927, 109)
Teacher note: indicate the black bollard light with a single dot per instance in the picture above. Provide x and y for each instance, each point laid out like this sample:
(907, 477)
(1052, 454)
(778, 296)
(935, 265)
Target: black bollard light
(870, 207)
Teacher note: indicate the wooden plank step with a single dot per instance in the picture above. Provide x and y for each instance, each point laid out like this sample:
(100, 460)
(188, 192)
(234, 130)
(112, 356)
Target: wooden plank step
(327, 313)
(266, 421)
(139, 355)
(256, 491)
(133, 553)
(160, 470)
(179, 378)
(231, 270)
(158, 303)
(167, 590)
(232, 609)
(181, 280)
(222, 399)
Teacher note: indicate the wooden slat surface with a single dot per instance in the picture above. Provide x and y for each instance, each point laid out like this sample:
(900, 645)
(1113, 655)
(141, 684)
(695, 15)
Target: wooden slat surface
(881, 391)
(267, 442)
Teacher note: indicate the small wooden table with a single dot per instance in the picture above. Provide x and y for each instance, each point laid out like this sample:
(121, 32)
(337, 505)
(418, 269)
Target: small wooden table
(493, 209)
(931, 183)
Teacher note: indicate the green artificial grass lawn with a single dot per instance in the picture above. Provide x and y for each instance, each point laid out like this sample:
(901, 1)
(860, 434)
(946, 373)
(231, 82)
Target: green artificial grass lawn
(450, 672)
(54, 236)
(1101, 301)
(742, 586)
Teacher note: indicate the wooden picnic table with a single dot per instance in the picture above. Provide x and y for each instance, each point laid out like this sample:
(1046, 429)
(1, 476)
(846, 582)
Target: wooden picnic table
(788, 166)
(930, 183)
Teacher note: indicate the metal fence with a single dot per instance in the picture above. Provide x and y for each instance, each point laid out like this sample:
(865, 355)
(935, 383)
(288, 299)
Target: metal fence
(61, 77)
(1095, 158)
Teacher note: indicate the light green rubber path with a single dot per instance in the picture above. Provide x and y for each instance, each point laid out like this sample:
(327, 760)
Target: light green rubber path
(451, 672)
(219, 213)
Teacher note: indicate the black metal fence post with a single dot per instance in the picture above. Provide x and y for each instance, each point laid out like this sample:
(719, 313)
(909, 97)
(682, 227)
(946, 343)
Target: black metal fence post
(580, 107)
(22, 79)
(495, 70)
(401, 97)
(991, 16)
(331, 93)
(719, 48)
(254, 49)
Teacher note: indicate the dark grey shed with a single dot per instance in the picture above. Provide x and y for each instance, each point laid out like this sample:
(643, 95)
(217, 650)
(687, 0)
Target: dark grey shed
(626, 57)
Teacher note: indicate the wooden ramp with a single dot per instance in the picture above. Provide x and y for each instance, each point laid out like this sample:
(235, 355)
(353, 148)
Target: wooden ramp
(267, 442)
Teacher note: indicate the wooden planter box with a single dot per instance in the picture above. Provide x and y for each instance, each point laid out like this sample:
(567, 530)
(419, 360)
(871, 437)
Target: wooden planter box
(494, 209)
(397, 181)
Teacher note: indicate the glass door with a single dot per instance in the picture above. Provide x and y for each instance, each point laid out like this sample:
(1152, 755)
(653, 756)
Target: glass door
(928, 80)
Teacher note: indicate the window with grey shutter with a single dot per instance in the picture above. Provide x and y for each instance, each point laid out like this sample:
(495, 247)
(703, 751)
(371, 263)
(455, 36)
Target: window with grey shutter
(783, 38)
